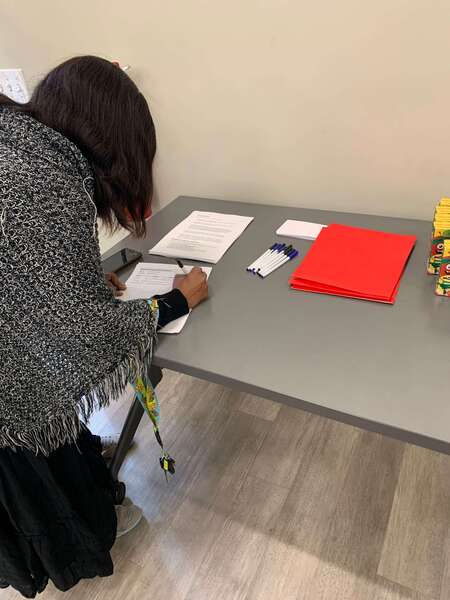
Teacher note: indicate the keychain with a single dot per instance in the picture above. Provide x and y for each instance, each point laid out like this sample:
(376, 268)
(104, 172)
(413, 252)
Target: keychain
(167, 465)
(147, 397)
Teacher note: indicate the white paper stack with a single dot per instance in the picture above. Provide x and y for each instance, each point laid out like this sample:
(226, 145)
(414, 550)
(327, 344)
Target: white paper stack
(301, 230)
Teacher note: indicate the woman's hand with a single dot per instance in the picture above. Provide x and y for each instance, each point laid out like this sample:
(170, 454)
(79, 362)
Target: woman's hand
(113, 282)
(193, 286)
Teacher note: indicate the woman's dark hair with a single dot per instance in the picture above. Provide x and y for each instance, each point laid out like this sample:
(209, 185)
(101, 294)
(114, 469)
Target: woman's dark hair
(97, 106)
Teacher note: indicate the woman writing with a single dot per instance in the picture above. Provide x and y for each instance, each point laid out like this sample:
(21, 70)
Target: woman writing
(82, 148)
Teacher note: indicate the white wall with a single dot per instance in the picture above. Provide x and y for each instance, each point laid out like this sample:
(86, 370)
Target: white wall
(107, 240)
(334, 104)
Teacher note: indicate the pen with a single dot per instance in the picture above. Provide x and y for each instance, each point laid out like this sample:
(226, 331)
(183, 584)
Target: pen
(263, 256)
(182, 267)
(287, 257)
(264, 260)
(274, 260)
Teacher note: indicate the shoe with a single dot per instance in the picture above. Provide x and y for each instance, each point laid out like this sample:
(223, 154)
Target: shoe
(127, 518)
(109, 445)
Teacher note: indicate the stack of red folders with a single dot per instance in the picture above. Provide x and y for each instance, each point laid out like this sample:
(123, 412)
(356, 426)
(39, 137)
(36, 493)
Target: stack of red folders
(354, 262)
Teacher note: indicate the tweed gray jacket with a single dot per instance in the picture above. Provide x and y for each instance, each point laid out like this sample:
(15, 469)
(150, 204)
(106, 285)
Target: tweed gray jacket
(66, 344)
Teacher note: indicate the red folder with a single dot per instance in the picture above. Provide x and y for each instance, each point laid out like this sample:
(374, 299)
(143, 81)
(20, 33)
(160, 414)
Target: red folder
(354, 262)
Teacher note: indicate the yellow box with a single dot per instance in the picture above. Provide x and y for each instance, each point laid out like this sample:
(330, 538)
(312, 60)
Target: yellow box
(443, 280)
(439, 236)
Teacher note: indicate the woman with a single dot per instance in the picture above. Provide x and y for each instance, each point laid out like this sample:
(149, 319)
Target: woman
(82, 148)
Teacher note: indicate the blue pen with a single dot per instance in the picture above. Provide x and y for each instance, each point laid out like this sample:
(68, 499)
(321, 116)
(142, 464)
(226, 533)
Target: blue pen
(274, 248)
(269, 259)
(275, 259)
(283, 260)
(276, 264)
(266, 253)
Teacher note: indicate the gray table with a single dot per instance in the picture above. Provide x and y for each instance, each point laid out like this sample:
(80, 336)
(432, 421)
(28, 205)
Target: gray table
(375, 366)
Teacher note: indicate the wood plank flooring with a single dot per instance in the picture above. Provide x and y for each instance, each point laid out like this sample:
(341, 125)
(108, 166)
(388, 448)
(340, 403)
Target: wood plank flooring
(271, 503)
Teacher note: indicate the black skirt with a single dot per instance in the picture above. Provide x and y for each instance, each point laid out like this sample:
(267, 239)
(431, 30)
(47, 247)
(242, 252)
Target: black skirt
(57, 517)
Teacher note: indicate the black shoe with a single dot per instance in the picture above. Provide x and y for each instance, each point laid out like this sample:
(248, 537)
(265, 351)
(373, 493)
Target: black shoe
(3, 584)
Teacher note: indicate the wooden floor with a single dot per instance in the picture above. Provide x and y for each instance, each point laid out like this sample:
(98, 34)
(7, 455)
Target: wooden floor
(270, 503)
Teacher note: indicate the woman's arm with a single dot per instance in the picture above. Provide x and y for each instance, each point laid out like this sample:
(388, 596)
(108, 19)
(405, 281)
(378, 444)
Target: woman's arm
(171, 306)
(189, 290)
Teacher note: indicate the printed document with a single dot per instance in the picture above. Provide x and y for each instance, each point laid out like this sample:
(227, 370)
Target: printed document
(203, 236)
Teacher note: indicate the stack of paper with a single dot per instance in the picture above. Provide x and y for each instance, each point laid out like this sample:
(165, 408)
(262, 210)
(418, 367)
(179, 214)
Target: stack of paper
(354, 262)
(204, 236)
(302, 230)
(149, 279)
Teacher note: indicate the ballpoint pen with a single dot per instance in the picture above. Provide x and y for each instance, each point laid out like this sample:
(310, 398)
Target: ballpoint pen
(287, 257)
(182, 267)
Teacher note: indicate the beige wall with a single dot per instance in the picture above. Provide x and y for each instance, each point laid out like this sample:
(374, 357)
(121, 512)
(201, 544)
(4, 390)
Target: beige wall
(327, 103)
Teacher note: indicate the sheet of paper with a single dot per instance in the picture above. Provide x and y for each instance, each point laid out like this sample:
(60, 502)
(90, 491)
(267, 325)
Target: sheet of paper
(12, 84)
(149, 279)
(204, 236)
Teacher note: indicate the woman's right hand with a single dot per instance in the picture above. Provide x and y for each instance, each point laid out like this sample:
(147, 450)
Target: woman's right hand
(193, 286)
